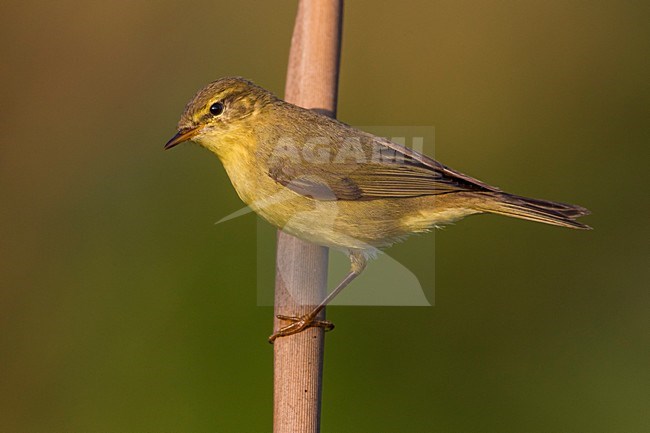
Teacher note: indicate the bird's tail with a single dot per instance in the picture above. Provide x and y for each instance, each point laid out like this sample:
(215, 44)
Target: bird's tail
(543, 211)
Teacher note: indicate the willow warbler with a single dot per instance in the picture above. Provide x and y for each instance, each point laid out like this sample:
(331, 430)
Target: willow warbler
(328, 183)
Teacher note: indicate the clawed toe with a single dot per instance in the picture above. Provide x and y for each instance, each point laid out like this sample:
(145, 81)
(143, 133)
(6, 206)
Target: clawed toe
(299, 324)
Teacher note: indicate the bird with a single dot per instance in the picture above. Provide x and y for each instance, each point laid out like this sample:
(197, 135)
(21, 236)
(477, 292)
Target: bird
(331, 184)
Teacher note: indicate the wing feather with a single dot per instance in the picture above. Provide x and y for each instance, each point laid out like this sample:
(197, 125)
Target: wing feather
(399, 172)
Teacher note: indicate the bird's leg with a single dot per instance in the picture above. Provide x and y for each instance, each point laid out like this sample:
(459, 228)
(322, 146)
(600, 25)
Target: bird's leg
(300, 323)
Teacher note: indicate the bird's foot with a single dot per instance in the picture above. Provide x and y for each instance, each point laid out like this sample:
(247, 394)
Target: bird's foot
(299, 324)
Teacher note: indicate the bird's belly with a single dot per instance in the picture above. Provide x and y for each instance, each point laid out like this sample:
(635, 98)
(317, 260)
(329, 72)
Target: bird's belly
(354, 224)
(365, 224)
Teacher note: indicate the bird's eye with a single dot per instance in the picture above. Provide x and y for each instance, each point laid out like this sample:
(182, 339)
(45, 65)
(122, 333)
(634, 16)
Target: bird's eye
(216, 108)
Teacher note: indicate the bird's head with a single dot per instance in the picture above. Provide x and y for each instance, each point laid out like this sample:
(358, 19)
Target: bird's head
(218, 113)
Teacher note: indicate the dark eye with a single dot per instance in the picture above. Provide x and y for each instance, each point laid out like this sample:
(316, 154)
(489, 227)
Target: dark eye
(216, 108)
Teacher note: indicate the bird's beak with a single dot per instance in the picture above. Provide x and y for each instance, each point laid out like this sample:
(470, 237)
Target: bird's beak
(181, 136)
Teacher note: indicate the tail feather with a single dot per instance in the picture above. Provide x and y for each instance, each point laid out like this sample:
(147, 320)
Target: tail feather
(549, 212)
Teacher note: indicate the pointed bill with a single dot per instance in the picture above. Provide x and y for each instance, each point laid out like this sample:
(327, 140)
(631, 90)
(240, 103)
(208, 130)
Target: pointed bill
(181, 136)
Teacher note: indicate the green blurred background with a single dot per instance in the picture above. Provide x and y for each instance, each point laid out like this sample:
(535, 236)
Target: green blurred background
(123, 308)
